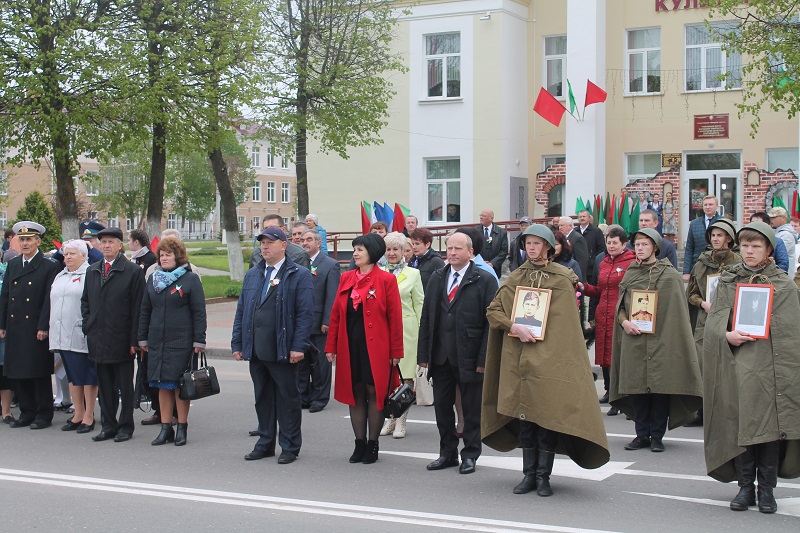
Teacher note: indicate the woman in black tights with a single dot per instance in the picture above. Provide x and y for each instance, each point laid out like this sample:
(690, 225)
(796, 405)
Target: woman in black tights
(365, 339)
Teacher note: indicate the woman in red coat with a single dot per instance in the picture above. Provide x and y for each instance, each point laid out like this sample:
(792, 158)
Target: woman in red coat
(612, 269)
(365, 338)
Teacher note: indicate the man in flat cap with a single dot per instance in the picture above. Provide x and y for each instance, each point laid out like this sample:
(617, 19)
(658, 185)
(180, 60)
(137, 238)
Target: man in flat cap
(24, 323)
(110, 305)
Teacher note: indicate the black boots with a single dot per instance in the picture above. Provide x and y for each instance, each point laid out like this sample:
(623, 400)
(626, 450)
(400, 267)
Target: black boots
(167, 435)
(767, 457)
(358, 453)
(528, 482)
(745, 465)
(371, 453)
(543, 470)
(180, 434)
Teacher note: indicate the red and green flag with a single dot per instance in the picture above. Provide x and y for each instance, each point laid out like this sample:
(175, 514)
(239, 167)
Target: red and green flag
(400, 214)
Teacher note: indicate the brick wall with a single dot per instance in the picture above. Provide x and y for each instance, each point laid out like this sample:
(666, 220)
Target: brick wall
(545, 181)
(759, 197)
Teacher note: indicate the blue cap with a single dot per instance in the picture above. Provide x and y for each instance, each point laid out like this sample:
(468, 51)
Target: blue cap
(273, 233)
(89, 228)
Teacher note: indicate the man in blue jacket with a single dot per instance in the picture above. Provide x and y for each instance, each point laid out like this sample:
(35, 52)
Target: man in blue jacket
(271, 330)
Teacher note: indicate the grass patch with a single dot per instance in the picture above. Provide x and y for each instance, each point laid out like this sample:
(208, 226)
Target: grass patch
(203, 244)
(210, 261)
(221, 286)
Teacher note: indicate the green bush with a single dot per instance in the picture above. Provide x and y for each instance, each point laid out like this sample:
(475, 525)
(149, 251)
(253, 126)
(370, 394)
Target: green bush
(233, 291)
(36, 209)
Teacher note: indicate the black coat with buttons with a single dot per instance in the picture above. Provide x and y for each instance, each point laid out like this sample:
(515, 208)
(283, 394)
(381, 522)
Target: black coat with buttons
(25, 310)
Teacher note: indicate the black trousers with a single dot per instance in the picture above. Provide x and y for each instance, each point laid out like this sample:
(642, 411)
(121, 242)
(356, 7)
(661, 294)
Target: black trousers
(314, 375)
(277, 400)
(444, 399)
(650, 414)
(532, 435)
(35, 398)
(115, 381)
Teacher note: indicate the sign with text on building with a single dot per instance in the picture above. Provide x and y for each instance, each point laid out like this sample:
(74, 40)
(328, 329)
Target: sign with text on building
(711, 126)
(671, 160)
(675, 5)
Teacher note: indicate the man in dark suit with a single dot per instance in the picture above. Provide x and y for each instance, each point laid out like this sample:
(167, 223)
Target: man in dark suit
(315, 369)
(112, 298)
(696, 240)
(595, 242)
(580, 250)
(293, 251)
(495, 248)
(453, 334)
(24, 323)
(649, 219)
(271, 330)
(517, 254)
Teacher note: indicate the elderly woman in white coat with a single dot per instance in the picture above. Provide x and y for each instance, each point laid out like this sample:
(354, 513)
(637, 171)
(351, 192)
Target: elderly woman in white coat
(67, 338)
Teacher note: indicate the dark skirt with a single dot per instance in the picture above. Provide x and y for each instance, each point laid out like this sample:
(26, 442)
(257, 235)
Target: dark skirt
(360, 369)
(5, 383)
(81, 371)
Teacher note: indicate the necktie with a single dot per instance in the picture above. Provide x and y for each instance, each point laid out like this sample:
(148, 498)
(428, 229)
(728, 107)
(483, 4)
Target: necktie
(453, 288)
(486, 233)
(25, 263)
(108, 267)
(267, 279)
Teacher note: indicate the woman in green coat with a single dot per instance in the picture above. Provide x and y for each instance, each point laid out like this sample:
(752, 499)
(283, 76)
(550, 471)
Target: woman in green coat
(752, 386)
(409, 282)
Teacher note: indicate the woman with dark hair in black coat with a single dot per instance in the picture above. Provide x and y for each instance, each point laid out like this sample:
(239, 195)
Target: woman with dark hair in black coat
(563, 255)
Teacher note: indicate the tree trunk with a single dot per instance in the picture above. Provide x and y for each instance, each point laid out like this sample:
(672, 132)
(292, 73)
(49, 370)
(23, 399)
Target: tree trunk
(65, 187)
(228, 214)
(301, 168)
(158, 170)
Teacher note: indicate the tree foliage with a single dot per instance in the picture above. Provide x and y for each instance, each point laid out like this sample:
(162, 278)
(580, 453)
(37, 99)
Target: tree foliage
(37, 210)
(767, 37)
(330, 66)
(122, 181)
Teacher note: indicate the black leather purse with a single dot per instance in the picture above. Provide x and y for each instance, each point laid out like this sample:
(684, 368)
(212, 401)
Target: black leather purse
(399, 401)
(199, 383)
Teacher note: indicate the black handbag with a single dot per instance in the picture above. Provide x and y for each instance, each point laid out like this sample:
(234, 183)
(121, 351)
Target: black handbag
(199, 383)
(399, 401)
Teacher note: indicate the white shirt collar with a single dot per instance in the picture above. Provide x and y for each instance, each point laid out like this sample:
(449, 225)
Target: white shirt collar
(277, 266)
(460, 275)
(313, 258)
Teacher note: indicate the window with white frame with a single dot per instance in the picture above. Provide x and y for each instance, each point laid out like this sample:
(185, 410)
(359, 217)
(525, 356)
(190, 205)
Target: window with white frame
(443, 178)
(113, 222)
(555, 65)
(172, 221)
(642, 165)
(782, 159)
(4, 182)
(286, 221)
(550, 160)
(271, 157)
(242, 222)
(271, 191)
(644, 61)
(3, 219)
(707, 62)
(255, 223)
(129, 224)
(92, 183)
(284, 193)
(255, 156)
(443, 65)
(284, 162)
(256, 196)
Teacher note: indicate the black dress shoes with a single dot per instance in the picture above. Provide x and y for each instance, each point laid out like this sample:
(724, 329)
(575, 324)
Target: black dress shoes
(315, 408)
(9, 419)
(656, 445)
(20, 423)
(122, 437)
(86, 429)
(639, 443)
(286, 457)
(70, 426)
(443, 462)
(40, 424)
(253, 433)
(151, 420)
(467, 466)
(255, 455)
(104, 435)
(604, 398)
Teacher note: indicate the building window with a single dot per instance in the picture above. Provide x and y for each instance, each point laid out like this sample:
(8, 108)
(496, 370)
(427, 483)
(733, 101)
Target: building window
(256, 191)
(271, 191)
(255, 156)
(443, 178)
(92, 215)
(555, 64)
(642, 165)
(782, 159)
(549, 160)
(284, 193)
(128, 224)
(242, 222)
(284, 162)
(443, 64)
(555, 201)
(286, 221)
(3, 219)
(113, 222)
(271, 157)
(92, 183)
(255, 224)
(707, 62)
(644, 61)
(172, 221)
(4, 182)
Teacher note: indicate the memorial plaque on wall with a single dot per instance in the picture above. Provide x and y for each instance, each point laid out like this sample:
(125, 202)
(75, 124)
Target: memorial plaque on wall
(711, 126)
(671, 160)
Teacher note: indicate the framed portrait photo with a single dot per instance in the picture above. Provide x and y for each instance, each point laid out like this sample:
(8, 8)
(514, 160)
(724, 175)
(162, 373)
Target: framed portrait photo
(752, 309)
(643, 310)
(711, 287)
(531, 308)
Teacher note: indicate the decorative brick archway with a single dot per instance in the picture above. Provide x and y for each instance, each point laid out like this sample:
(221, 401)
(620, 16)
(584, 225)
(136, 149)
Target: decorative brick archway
(545, 181)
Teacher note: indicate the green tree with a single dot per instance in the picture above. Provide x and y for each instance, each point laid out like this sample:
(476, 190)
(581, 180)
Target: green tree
(122, 181)
(37, 210)
(330, 63)
(767, 35)
(54, 95)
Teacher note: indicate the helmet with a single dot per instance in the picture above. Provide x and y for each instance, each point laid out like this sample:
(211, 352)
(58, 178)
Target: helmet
(761, 227)
(543, 232)
(651, 234)
(725, 225)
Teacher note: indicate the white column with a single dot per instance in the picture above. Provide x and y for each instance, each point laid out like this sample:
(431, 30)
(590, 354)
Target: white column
(586, 143)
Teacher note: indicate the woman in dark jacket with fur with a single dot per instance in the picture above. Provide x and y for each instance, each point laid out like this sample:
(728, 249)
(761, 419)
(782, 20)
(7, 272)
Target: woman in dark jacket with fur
(172, 327)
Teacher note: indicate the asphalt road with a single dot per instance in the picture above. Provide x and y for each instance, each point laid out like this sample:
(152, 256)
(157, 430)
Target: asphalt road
(64, 481)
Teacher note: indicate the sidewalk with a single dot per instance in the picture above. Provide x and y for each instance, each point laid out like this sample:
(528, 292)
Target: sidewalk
(220, 326)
